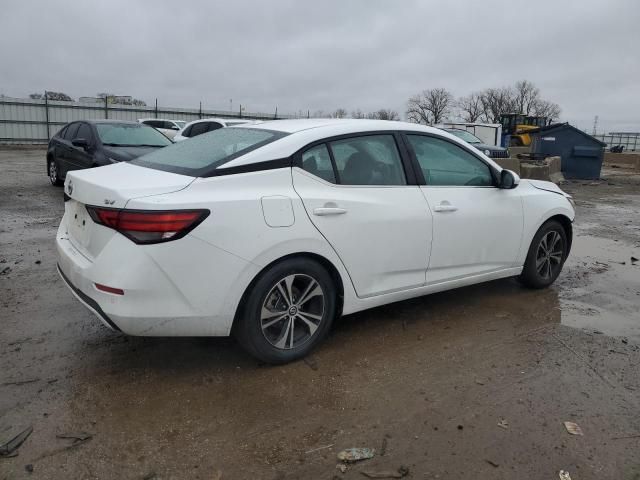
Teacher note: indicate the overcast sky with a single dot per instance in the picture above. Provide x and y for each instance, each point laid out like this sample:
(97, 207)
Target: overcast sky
(325, 54)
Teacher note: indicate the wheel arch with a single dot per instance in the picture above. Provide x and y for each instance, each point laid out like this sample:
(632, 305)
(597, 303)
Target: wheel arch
(325, 262)
(567, 225)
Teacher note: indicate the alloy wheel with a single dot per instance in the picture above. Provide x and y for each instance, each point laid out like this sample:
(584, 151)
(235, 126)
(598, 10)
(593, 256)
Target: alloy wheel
(549, 255)
(292, 311)
(53, 172)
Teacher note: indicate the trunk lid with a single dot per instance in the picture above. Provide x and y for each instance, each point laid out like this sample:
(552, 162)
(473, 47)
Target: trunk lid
(114, 185)
(111, 187)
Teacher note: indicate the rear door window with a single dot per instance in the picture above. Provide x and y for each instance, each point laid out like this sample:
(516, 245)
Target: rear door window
(368, 160)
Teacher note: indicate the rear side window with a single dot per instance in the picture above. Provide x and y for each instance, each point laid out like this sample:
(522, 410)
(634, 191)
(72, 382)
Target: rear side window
(444, 163)
(317, 162)
(211, 126)
(201, 155)
(368, 160)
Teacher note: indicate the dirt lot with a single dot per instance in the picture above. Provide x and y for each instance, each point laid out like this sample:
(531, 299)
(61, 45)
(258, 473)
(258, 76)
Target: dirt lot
(425, 382)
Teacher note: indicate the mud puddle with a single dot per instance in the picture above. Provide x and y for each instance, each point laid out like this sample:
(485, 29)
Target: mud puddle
(600, 286)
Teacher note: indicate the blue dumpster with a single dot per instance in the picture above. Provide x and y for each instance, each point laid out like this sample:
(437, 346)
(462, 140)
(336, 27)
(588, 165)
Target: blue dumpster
(581, 154)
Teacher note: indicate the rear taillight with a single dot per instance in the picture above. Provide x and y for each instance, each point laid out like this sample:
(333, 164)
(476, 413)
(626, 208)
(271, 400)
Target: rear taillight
(149, 226)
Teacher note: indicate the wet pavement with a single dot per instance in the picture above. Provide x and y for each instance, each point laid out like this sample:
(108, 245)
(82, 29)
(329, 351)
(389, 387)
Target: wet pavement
(430, 378)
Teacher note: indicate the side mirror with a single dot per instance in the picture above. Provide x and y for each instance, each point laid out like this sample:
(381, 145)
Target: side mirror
(509, 179)
(175, 127)
(80, 142)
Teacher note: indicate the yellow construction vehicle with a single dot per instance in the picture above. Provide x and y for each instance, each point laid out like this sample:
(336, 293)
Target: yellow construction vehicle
(515, 127)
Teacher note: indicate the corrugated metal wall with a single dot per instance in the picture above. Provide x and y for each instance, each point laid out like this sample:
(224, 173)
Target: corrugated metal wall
(24, 121)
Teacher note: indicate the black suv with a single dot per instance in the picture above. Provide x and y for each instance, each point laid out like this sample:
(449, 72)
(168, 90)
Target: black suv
(489, 150)
(94, 143)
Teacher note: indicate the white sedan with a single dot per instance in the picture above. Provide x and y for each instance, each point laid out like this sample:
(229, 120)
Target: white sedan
(270, 231)
(198, 127)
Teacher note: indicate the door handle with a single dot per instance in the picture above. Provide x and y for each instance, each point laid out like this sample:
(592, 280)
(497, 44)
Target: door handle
(324, 211)
(445, 207)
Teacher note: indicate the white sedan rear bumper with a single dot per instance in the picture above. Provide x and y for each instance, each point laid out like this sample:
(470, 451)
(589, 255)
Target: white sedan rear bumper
(183, 291)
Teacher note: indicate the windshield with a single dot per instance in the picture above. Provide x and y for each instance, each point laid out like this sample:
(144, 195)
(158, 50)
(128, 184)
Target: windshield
(204, 153)
(130, 135)
(466, 136)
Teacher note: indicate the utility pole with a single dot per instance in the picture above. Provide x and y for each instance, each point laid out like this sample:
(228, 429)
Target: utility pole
(595, 125)
(46, 111)
(231, 104)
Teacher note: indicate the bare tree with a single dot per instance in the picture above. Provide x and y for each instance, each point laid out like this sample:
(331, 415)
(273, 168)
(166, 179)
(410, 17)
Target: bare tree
(59, 96)
(495, 102)
(386, 114)
(544, 108)
(526, 94)
(357, 114)
(430, 106)
(470, 107)
(339, 113)
(51, 96)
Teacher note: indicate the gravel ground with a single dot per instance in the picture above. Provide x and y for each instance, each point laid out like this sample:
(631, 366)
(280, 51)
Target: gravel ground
(474, 383)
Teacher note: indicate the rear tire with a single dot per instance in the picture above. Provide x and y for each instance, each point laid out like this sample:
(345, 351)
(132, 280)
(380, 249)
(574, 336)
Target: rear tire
(287, 312)
(546, 256)
(54, 175)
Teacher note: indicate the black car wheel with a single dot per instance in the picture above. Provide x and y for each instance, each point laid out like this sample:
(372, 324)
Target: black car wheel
(52, 168)
(287, 312)
(546, 256)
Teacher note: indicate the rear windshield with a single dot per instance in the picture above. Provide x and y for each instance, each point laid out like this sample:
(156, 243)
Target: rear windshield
(200, 155)
(130, 135)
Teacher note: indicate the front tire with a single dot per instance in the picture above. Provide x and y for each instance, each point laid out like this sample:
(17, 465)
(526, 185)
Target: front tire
(287, 312)
(546, 256)
(54, 175)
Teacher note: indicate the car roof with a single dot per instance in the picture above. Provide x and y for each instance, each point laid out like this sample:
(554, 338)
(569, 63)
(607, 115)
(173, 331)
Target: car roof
(161, 119)
(302, 132)
(297, 125)
(108, 120)
(218, 119)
